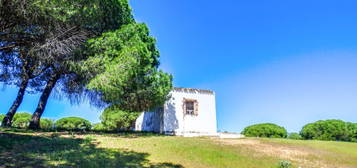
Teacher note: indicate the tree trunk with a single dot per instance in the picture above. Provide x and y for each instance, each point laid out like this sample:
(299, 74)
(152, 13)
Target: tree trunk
(7, 121)
(35, 121)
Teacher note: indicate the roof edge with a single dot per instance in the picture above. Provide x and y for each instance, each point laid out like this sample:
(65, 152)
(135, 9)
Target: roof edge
(193, 90)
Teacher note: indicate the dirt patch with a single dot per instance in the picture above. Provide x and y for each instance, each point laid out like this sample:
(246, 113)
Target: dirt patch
(303, 156)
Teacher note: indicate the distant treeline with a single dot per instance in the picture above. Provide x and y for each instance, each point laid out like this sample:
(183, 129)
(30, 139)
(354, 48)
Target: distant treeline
(113, 119)
(22, 120)
(330, 130)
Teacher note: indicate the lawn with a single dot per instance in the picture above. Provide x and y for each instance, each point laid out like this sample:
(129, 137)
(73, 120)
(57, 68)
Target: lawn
(135, 150)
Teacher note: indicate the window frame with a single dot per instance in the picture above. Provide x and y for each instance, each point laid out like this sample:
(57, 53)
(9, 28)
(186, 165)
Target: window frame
(194, 111)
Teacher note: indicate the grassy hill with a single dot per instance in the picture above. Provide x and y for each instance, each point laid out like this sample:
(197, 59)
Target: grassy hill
(48, 149)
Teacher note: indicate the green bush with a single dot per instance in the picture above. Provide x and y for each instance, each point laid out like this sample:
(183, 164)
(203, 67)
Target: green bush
(98, 127)
(285, 164)
(73, 124)
(352, 131)
(114, 119)
(21, 120)
(333, 130)
(265, 130)
(295, 136)
(46, 124)
(2, 116)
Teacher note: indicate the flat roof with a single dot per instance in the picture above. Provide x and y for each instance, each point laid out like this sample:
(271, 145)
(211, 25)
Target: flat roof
(193, 90)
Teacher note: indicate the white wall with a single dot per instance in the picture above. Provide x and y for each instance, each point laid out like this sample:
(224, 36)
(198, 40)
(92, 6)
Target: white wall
(175, 119)
(172, 119)
(149, 121)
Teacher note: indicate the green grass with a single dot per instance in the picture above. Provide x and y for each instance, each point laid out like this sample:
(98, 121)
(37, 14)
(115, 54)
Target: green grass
(190, 152)
(19, 148)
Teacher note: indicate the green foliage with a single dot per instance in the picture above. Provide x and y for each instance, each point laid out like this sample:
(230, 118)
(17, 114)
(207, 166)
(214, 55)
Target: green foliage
(98, 127)
(21, 115)
(115, 119)
(126, 63)
(265, 130)
(41, 36)
(295, 136)
(352, 131)
(73, 124)
(2, 116)
(120, 62)
(285, 164)
(96, 15)
(21, 120)
(334, 130)
(46, 124)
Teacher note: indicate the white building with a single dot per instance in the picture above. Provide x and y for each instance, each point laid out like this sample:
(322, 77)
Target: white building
(188, 112)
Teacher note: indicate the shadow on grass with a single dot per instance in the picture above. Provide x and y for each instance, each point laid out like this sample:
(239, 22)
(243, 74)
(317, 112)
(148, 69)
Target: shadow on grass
(129, 134)
(124, 134)
(42, 151)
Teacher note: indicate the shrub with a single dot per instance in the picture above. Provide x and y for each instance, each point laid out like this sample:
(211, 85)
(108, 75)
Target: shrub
(2, 116)
(21, 120)
(265, 130)
(46, 124)
(295, 136)
(73, 124)
(335, 130)
(285, 164)
(115, 119)
(352, 129)
(98, 127)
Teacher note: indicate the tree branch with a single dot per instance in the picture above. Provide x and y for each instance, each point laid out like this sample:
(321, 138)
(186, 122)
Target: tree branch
(7, 47)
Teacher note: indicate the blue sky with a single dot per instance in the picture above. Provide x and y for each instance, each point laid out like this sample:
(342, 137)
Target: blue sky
(284, 62)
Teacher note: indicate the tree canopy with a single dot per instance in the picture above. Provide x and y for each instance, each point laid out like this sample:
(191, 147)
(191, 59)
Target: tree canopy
(80, 48)
(126, 63)
(114, 119)
(265, 130)
(73, 123)
(330, 130)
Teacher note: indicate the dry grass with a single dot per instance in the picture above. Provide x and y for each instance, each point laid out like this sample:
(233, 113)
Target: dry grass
(302, 154)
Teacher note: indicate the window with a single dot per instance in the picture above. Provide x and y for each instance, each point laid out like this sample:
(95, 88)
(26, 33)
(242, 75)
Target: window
(190, 107)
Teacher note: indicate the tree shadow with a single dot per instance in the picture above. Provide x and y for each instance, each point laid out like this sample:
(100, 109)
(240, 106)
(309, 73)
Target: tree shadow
(129, 134)
(123, 134)
(171, 123)
(52, 151)
(150, 121)
(160, 120)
